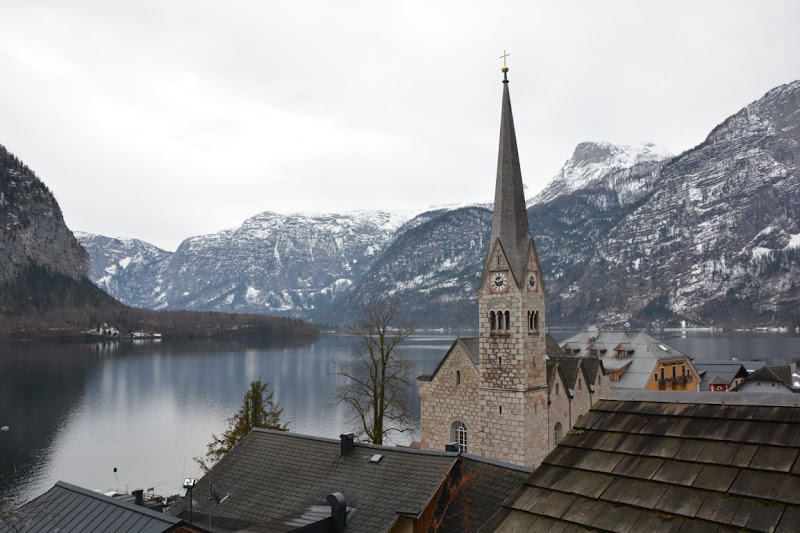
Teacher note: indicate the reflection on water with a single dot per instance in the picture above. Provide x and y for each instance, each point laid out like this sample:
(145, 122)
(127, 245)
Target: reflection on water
(147, 409)
(78, 410)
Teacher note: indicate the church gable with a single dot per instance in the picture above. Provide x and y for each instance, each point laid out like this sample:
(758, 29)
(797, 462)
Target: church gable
(449, 398)
(534, 280)
(496, 263)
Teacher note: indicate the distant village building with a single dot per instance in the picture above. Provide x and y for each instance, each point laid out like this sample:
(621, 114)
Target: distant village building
(511, 393)
(635, 360)
(769, 379)
(721, 375)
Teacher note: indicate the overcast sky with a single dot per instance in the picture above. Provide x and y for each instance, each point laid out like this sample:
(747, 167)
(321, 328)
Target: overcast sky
(164, 119)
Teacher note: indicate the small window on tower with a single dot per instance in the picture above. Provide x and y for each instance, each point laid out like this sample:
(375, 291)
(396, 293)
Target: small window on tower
(458, 377)
(508, 319)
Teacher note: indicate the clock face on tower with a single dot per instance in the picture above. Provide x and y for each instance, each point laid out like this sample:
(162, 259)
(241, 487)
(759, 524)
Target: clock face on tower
(533, 284)
(498, 282)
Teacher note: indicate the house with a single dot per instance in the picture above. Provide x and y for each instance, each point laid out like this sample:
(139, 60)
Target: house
(768, 379)
(280, 481)
(720, 375)
(635, 360)
(497, 395)
(68, 508)
(656, 461)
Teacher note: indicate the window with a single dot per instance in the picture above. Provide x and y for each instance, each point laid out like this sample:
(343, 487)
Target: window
(458, 433)
(501, 409)
(568, 351)
(458, 377)
(655, 377)
(662, 373)
(501, 320)
(493, 320)
(683, 370)
(674, 372)
(557, 433)
(508, 319)
(579, 384)
(594, 352)
(556, 389)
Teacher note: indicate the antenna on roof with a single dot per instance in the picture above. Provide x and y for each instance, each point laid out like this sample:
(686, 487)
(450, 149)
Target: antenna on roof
(215, 495)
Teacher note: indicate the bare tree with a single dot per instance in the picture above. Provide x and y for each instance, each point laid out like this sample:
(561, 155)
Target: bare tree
(378, 374)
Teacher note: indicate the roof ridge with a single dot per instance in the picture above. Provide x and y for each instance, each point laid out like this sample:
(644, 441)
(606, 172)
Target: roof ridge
(497, 462)
(386, 447)
(116, 501)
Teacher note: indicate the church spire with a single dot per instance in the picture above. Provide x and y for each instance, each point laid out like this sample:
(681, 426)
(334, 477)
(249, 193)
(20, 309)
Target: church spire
(510, 220)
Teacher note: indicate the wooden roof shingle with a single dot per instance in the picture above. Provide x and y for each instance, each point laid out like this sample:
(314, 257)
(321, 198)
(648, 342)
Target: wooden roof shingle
(645, 462)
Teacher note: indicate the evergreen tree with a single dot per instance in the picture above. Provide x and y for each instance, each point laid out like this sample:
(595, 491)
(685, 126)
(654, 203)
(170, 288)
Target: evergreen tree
(258, 411)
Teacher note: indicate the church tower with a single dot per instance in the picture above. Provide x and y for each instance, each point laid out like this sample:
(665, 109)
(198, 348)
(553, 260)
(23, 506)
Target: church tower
(512, 388)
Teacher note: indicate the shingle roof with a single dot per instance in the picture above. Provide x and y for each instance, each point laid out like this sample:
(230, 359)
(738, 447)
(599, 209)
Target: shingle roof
(273, 474)
(640, 462)
(67, 508)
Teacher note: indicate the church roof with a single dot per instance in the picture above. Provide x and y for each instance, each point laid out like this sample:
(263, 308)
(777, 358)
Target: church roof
(645, 462)
(510, 220)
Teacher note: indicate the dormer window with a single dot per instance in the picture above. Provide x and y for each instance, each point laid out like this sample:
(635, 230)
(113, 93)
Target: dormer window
(594, 352)
(567, 350)
(622, 353)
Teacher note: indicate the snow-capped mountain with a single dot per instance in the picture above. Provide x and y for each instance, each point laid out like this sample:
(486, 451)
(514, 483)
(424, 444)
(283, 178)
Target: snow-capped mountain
(711, 236)
(592, 161)
(624, 235)
(128, 269)
(272, 263)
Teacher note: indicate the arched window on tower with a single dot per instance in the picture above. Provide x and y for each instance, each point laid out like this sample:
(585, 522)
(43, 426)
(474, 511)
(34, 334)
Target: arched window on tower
(501, 320)
(536, 321)
(492, 320)
(558, 432)
(458, 433)
(508, 320)
(458, 377)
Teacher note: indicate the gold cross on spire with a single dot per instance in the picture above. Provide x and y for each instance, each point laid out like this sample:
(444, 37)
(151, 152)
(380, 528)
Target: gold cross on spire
(503, 57)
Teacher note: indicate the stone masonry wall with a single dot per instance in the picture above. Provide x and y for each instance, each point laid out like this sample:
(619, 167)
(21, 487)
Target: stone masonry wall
(442, 402)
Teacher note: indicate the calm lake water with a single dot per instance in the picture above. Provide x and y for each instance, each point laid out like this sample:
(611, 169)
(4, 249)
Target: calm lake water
(77, 411)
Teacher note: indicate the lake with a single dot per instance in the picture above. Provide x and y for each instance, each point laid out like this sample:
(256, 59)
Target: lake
(78, 411)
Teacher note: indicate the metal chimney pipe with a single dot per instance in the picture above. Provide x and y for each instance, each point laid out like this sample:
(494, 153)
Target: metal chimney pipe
(338, 510)
(138, 494)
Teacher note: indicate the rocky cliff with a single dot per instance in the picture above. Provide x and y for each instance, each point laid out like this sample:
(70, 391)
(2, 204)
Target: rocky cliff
(32, 229)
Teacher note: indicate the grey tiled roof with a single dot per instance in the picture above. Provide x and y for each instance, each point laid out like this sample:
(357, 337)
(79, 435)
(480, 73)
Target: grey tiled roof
(68, 508)
(719, 373)
(645, 351)
(273, 474)
(486, 483)
(780, 374)
(710, 462)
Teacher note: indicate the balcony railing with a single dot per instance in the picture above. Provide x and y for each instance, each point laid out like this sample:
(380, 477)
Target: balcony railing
(674, 382)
